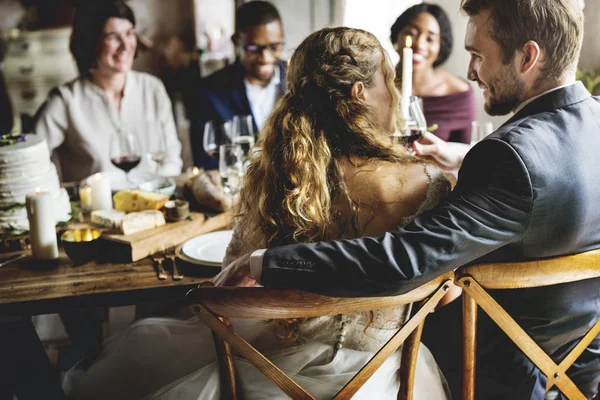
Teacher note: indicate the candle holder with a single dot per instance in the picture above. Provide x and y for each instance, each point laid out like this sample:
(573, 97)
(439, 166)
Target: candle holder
(81, 245)
(85, 197)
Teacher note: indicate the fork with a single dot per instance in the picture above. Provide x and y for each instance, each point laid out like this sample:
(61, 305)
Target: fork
(159, 257)
(171, 256)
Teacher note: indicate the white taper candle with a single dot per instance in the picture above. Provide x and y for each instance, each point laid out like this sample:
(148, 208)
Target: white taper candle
(407, 71)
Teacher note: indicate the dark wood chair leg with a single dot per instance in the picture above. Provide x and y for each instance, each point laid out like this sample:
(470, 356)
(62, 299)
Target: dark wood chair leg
(469, 347)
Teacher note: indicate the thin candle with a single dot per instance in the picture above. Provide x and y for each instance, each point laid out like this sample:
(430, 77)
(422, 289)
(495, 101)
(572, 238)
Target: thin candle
(407, 67)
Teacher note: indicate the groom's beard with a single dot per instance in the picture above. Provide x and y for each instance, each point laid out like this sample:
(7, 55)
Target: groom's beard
(505, 92)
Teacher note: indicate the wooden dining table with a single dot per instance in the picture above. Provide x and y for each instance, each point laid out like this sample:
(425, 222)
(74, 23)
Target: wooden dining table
(28, 287)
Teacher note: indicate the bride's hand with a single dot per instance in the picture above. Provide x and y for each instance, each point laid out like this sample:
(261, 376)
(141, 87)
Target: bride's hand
(236, 273)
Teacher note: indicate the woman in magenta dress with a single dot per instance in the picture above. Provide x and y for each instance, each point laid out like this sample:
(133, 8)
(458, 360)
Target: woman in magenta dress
(448, 100)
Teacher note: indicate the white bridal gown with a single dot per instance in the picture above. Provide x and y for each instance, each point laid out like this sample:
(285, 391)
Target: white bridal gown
(163, 358)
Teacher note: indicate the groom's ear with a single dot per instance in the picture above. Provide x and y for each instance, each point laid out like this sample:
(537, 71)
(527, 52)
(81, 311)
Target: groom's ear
(358, 91)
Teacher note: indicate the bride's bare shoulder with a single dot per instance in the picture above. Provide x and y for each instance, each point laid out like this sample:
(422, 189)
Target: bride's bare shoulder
(388, 182)
(395, 191)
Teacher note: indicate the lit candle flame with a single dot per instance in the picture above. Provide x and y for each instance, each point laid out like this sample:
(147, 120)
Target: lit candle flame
(195, 171)
(408, 42)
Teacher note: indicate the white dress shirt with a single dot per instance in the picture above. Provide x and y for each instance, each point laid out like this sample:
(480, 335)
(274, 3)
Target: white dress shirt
(262, 99)
(523, 104)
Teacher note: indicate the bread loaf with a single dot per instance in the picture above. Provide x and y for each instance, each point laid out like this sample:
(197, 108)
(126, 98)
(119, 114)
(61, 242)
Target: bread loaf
(207, 190)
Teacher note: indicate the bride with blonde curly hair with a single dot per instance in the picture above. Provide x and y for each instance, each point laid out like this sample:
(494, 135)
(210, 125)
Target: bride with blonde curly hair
(325, 169)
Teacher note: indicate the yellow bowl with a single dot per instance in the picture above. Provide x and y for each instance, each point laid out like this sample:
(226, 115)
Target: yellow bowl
(81, 245)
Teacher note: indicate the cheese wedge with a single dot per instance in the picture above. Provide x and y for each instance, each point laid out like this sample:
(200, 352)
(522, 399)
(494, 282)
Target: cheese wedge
(108, 218)
(141, 221)
(139, 200)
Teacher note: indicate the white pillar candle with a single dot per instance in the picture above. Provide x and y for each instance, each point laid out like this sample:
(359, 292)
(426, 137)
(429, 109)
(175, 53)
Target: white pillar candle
(407, 71)
(42, 226)
(101, 195)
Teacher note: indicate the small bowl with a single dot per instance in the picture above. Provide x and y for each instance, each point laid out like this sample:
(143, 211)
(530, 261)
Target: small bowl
(177, 210)
(164, 186)
(81, 245)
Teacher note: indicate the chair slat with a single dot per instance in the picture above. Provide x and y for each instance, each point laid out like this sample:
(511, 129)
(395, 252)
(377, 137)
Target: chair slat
(408, 368)
(264, 303)
(265, 366)
(520, 337)
(575, 353)
(392, 345)
(470, 344)
(535, 273)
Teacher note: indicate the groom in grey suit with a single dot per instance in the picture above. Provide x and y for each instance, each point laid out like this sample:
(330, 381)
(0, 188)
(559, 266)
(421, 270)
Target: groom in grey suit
(529, 190)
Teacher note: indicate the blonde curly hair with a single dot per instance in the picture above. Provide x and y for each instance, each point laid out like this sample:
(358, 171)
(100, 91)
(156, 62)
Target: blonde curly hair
(295, 176)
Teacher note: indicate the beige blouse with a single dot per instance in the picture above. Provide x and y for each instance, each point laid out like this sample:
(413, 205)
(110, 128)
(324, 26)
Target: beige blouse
(78, 123)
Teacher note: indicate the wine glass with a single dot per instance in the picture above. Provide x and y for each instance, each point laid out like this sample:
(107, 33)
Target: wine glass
(231, 167)
(216, 134)
(125, 152)
(242, 133)
(414, 126)
(157, 144)
(480, 130)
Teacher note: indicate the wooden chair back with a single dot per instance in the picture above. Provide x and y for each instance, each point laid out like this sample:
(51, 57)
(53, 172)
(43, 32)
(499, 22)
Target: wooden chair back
(215, 305)
(474, 281)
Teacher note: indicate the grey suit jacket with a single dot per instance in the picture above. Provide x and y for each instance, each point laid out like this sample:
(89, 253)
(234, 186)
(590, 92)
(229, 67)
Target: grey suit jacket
(529, 190)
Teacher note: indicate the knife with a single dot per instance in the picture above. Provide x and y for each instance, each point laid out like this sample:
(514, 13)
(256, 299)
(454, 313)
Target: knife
(12, 259)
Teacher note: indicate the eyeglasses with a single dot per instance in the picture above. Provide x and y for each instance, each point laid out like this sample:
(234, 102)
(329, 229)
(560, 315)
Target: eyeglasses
(274, 48)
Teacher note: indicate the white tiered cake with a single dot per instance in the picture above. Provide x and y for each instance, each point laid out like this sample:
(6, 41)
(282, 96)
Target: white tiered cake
(24, 168)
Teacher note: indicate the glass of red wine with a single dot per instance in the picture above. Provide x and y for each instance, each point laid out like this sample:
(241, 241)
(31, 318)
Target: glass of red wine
(414, 126)
(125, 152)
(216, 134)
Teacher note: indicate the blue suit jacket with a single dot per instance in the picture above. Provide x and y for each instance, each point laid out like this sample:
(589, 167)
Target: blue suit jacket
(221, 96)
(530, 190)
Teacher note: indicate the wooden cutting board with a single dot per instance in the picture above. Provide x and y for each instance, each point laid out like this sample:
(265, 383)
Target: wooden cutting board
(139, 245)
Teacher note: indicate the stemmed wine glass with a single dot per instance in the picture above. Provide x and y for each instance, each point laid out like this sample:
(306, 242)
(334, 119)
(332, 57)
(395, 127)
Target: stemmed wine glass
(216, 134)
(480, 130)
(414, 126)
(242, 132)
(157, 144)
(231, 168)
(125, 152)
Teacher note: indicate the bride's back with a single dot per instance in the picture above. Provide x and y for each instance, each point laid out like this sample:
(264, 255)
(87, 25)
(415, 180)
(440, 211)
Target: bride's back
(383, 196)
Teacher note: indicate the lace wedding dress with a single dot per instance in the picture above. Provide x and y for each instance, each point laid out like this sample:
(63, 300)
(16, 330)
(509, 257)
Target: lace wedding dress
(160, 358)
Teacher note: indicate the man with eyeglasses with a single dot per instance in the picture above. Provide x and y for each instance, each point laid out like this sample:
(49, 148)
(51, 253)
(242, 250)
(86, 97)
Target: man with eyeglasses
(251, 85)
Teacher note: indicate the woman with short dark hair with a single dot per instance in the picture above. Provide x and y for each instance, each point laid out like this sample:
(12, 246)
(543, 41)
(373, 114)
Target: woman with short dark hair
(80, 118)
(448, 100)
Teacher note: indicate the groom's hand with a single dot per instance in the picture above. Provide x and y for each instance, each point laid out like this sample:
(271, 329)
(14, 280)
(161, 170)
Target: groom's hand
(236, 274)
(448, 156)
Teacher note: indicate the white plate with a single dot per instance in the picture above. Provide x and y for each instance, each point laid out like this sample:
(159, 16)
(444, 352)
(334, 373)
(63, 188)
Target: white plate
(207, 249)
